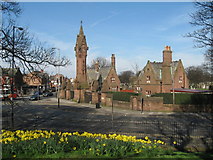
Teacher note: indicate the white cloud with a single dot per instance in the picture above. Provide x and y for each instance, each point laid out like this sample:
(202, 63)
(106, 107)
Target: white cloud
(51, 40)
(112, 14)
(173, 22)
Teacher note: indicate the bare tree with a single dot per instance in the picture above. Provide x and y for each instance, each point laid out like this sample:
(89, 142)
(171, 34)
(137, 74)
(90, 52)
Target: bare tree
(198, 74)
(10, 9)
(203, 19)
(125, 76)
(103, 62)
(135, 68)
(21, 47)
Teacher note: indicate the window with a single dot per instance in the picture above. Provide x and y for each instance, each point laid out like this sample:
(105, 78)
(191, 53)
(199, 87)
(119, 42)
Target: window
(114, 89)
(148, 93)
(113, 79)
(180, 79)
(148, 79)
(138, 88)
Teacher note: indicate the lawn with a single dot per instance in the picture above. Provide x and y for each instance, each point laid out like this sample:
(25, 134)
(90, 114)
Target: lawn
(49, 144)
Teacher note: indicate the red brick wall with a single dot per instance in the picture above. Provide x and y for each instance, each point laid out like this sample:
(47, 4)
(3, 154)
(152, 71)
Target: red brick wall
(79, 95)
(94, 97)
(68, 94)
(62, 94)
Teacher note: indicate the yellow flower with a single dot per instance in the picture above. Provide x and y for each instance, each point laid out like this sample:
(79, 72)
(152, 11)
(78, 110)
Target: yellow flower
(14, 156)
(97, 140)
(74, 148)
(45, 142)
(104, 144)
(146, 138)
(174, 142)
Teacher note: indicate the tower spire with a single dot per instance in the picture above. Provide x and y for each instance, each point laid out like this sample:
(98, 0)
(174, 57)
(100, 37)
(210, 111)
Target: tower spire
(81, 32)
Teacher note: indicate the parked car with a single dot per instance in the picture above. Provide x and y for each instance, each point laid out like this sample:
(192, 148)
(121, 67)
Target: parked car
(34, 97)
(53, 89)
(46, 94)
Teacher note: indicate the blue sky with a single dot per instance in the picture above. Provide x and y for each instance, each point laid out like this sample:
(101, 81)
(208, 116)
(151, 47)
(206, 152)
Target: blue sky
(134, 32)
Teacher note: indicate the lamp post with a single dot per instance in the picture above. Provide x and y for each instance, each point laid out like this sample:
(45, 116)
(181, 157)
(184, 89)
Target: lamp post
(13, 64)
(58, 78)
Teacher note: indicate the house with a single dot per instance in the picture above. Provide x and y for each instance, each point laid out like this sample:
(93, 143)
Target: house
(6, 81)
(56, 80)
(36, 81)
(104, 79)
(161, 77)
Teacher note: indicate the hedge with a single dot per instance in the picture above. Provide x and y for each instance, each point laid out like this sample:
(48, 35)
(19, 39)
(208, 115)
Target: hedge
(186, 98)
(123, 96)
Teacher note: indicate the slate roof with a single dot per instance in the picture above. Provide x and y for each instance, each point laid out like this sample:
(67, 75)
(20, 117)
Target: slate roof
(92, 74)
(157, 67)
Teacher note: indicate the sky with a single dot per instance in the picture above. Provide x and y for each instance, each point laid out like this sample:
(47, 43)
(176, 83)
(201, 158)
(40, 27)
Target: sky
(134, 32)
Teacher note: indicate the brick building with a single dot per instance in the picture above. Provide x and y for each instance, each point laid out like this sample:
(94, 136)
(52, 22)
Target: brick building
(6, 81)
(161, 77)
(104, 79)
(36, 81)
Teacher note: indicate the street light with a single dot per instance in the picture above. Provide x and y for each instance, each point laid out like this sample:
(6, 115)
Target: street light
(13, 63)
(58, 79)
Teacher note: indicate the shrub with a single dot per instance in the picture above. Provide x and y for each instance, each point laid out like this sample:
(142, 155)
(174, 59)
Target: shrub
(123, 96)
(186, 98)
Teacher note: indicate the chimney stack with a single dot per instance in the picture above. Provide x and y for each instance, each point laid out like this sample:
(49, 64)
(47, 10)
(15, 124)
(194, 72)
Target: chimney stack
(167, 56)
(97, 66)
(113, 61)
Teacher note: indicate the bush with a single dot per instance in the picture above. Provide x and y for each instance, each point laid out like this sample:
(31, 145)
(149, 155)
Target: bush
(123, 96)
(186, 98)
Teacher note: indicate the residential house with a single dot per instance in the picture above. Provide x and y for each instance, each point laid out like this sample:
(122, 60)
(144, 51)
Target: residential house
(9, 76)
(162, 77)
(104, 79)
(36, 81)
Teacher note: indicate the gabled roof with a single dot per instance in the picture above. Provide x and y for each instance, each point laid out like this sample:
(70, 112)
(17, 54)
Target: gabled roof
(92, 74)
(157, 67)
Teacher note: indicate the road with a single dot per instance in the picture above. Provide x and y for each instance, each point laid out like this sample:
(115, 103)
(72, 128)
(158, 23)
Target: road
(71, 116)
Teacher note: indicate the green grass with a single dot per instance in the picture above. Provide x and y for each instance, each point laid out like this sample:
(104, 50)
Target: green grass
(81, 154)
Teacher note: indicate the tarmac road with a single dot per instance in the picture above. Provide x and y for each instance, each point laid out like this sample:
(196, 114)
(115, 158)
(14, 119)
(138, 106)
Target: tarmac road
(71, 116)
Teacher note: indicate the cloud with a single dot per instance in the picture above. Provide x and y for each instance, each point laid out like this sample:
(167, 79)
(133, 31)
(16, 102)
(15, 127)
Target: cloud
(173, 22)
(55, 42)
(112, 14)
